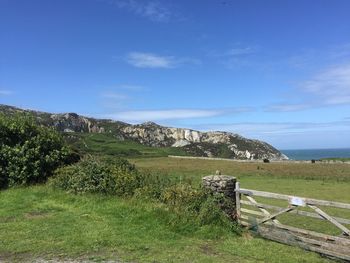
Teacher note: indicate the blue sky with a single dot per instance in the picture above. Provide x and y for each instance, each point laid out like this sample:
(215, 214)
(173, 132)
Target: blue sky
(273, 70)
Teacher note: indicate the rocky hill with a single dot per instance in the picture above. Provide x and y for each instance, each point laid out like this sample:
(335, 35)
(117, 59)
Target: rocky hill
(196, 143)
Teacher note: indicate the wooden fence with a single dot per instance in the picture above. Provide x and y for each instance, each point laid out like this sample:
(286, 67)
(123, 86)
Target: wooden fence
(262, 218)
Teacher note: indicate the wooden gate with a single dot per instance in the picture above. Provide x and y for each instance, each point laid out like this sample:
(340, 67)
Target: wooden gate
(262, 218)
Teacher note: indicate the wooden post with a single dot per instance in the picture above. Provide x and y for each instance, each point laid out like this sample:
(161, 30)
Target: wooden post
(238, 203)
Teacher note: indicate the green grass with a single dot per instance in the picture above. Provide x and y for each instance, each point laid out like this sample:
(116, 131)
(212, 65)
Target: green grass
(38, 222)
(108, 144)
(336, 159)
(195, 169)
(320, 181)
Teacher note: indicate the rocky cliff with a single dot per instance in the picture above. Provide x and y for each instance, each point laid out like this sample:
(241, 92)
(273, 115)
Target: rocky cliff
(196, 143)
(210, 144)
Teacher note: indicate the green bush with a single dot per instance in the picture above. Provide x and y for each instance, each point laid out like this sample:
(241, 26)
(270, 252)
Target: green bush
(118, 162)
(215, 210)
(88, 176)
(199, 205)
(192, 207)
(28, 153)
(91, 175)
(183, 196)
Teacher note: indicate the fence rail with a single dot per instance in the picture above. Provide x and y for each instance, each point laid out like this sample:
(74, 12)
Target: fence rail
(268, 226)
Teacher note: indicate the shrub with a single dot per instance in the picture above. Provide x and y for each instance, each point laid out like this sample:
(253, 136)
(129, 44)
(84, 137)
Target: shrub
(87, 176)
(153, 186)
(191, 207)
(183, 196)
(91, 175)
(199, 205)
(216, 209)
(28, 153)
(119, 162)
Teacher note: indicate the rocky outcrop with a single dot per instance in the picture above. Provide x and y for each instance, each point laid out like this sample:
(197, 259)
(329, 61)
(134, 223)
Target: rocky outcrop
(66, 122)
(196, 143)
(210, 144)
(72, 122)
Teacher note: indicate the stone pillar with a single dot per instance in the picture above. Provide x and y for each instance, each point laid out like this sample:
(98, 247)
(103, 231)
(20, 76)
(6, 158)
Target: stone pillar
(222, 184)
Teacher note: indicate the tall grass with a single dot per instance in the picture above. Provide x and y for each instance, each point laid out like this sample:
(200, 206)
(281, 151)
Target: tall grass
(41, 223)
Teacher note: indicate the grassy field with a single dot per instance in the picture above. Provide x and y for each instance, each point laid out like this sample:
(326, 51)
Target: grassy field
(108, 144)
(320, 181)
(195, 169)
(337, 159)
(38, 222)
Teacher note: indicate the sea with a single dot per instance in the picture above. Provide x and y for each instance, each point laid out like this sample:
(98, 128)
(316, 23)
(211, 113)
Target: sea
(316, 154)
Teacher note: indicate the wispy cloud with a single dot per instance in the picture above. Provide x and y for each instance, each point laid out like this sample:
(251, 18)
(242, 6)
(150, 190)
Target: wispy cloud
(118, 96)
(340, 51)
(262, 129)
(114, 96)
(237, 56)
(129, 87)
(327, 88)
(241, 51)
(310, 58)
(5, 92)
(292, 135)
(287, 107)
(235, 51)
(331, 86)
(153, 10)
(150, 60)
(171, 114)
(156, 115)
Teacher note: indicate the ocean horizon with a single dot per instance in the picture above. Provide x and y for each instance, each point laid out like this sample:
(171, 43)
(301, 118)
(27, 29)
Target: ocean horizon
(315, 154)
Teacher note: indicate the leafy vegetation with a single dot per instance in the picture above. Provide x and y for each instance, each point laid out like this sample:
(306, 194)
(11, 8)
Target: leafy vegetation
(326, 181)
(153, 209)
(94, 176)
(110, 145)
(118, 177)
(195, 169)
(29, 153)
(39, 222)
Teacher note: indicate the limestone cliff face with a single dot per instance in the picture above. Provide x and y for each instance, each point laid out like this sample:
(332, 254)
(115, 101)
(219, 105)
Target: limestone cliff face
(66, 122)
(209, 144)
(72, 122)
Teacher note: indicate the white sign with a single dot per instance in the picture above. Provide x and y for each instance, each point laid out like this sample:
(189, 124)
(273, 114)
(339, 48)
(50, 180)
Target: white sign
(297, 201)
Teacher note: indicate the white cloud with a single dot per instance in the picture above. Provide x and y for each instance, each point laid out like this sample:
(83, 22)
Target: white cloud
(155, 115)
(331, 86)
(262, 129)
(340, 51)
(172, 114)
(152, 10)
(119, 96)
(114, 96)
(240, 51)
(238, 56)
(129, 87)
(5, 92)
(150, 60)
(328, 88)
(287, 107)
(235, 51)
